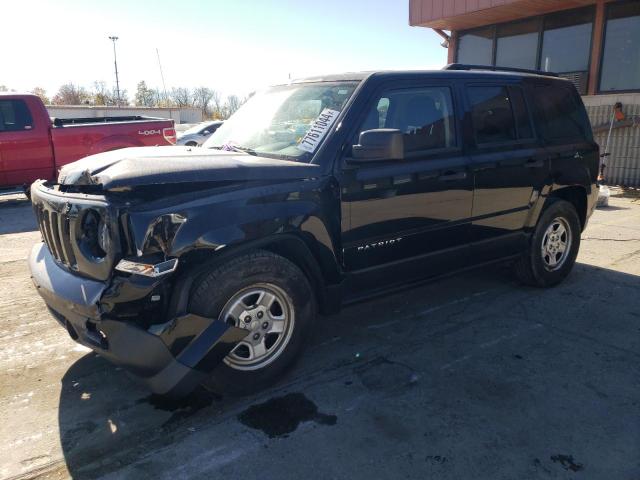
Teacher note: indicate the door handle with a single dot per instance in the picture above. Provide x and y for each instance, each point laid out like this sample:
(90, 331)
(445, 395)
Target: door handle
(452, 176)
(534, 163)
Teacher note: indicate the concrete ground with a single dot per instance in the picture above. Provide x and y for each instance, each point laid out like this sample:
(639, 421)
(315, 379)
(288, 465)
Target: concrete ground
(470, 377)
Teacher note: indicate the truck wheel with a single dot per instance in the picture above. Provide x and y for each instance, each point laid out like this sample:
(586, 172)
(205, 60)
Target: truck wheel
(553, 248)
(272, 299)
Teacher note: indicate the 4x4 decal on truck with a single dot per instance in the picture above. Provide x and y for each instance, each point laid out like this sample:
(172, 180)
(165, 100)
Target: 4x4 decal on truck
(149, 132)
(384, 243)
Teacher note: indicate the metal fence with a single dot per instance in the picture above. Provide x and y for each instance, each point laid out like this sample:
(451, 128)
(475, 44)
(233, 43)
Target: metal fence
(178, 114)
(623, 163)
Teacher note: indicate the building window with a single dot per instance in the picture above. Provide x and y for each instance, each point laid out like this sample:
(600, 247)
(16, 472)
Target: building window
(566, 42)
(621, 57)
(475, 47)
(517, 44)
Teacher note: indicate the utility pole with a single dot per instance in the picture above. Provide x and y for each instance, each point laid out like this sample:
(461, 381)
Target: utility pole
(115, 62)
(164, 87)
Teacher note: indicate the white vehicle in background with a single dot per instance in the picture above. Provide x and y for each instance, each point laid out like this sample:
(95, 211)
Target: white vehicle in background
(196, 135)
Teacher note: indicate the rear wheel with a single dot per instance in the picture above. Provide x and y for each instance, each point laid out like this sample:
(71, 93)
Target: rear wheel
(271, 298)
(554, 246)
(191, 144)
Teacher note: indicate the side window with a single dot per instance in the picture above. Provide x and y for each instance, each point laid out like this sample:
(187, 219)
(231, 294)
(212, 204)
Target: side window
(14, 116)
(523, 121)
(559, 114)
(492, 115)
(424, 116)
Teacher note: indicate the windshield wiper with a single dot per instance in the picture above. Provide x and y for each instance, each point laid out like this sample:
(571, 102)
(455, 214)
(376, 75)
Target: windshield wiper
(236, 148)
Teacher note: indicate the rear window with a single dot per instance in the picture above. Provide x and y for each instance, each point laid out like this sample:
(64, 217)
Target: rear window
(14, 116)
(492, 115)
(559, 113)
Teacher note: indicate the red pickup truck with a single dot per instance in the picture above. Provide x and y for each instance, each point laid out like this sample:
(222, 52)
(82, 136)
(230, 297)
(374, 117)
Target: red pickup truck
(34, 146)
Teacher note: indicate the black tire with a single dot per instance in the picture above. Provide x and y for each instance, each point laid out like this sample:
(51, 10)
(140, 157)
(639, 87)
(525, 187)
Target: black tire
(229, 281)
(191, 144)
(533, 269)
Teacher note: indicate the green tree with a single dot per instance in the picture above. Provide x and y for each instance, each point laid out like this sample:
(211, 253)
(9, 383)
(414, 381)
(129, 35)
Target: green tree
(145, 96)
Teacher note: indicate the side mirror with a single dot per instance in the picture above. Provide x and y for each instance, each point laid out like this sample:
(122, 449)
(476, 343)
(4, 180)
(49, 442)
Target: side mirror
(379, 144)
(206, 132)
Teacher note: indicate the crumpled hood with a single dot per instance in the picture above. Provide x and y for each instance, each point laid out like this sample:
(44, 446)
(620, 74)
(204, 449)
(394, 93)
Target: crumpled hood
(140, 166)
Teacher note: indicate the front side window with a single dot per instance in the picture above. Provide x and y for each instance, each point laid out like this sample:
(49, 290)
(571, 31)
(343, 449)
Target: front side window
(423, 115)
(621, 57)
(14, 116)
(517, 44)
(287, 121)
(492, 115)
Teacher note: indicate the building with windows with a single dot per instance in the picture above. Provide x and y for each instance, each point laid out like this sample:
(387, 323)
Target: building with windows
(594, 43)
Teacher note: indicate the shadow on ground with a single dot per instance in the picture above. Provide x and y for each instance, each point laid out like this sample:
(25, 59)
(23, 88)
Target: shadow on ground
(564, 381)
(16, 215)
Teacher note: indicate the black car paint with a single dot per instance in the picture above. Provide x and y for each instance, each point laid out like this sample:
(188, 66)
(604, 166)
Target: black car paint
(355, 229)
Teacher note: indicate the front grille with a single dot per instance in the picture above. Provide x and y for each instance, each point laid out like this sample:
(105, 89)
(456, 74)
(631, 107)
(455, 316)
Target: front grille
(56, 233)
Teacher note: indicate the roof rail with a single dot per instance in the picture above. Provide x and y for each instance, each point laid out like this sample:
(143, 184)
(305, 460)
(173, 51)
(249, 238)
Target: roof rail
(462, 66)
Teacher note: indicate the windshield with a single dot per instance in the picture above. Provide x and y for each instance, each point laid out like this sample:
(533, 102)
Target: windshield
(287, 121)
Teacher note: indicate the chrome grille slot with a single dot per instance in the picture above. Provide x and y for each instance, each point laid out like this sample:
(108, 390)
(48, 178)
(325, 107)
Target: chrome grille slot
(55, 235)
(56, 232)
(65, 234)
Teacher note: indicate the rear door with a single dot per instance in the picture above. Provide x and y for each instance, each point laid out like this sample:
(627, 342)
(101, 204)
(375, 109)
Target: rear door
(25, 146)
(565, 129)
(510, 168)
(401, 216)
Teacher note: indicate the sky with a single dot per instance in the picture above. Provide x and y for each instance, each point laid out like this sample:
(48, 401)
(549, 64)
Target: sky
(233, 46)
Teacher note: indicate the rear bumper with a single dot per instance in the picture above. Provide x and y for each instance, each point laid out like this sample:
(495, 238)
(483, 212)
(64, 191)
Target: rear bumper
(151, 357)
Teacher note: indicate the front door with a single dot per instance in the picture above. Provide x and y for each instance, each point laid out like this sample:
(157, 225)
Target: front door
(25, 147)
(400, 216)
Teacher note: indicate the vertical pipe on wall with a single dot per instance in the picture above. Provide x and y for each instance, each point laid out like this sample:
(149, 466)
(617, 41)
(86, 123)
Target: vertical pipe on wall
(596, 47)
(453, 48)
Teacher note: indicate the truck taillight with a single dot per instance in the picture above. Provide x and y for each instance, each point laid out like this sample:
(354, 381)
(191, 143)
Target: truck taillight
(169, 135)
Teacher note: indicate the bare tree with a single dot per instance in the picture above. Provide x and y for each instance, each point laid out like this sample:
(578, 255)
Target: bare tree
(182, 97)
(101, 95)
(232, 104)
(42, 93)
(202, 97)
(3, 88)
(216, 101)
(70, 94)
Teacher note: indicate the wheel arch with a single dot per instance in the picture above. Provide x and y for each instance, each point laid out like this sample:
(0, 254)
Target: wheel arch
(577, 196)
(324, 278)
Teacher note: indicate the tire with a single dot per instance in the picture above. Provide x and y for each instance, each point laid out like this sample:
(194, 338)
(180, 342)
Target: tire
(191, 144)
(235, 290)
(536, 267)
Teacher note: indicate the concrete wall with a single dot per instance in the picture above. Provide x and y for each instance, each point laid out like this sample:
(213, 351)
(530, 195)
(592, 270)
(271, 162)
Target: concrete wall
(623, 165)
(179, 115)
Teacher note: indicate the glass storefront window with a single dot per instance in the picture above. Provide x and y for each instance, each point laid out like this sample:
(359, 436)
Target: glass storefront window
(517, 44)
(621, 57)
(476, 47)
(566, 42)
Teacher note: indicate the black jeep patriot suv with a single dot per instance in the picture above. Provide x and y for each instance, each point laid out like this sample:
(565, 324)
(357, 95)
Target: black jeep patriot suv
(208, 265)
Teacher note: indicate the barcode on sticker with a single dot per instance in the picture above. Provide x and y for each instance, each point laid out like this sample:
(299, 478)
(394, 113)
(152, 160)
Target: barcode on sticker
(318, 130)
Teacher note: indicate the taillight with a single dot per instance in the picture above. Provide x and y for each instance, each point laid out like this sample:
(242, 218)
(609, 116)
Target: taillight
(169, 135)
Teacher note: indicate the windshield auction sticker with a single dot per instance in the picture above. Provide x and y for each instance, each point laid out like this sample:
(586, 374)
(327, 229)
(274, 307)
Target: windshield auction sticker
(318, 130)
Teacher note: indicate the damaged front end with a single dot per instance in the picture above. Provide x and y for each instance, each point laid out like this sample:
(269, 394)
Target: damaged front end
(123, 296)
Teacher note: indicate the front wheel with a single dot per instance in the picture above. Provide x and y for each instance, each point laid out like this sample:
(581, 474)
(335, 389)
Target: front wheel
(271, 298)
(554, 246)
